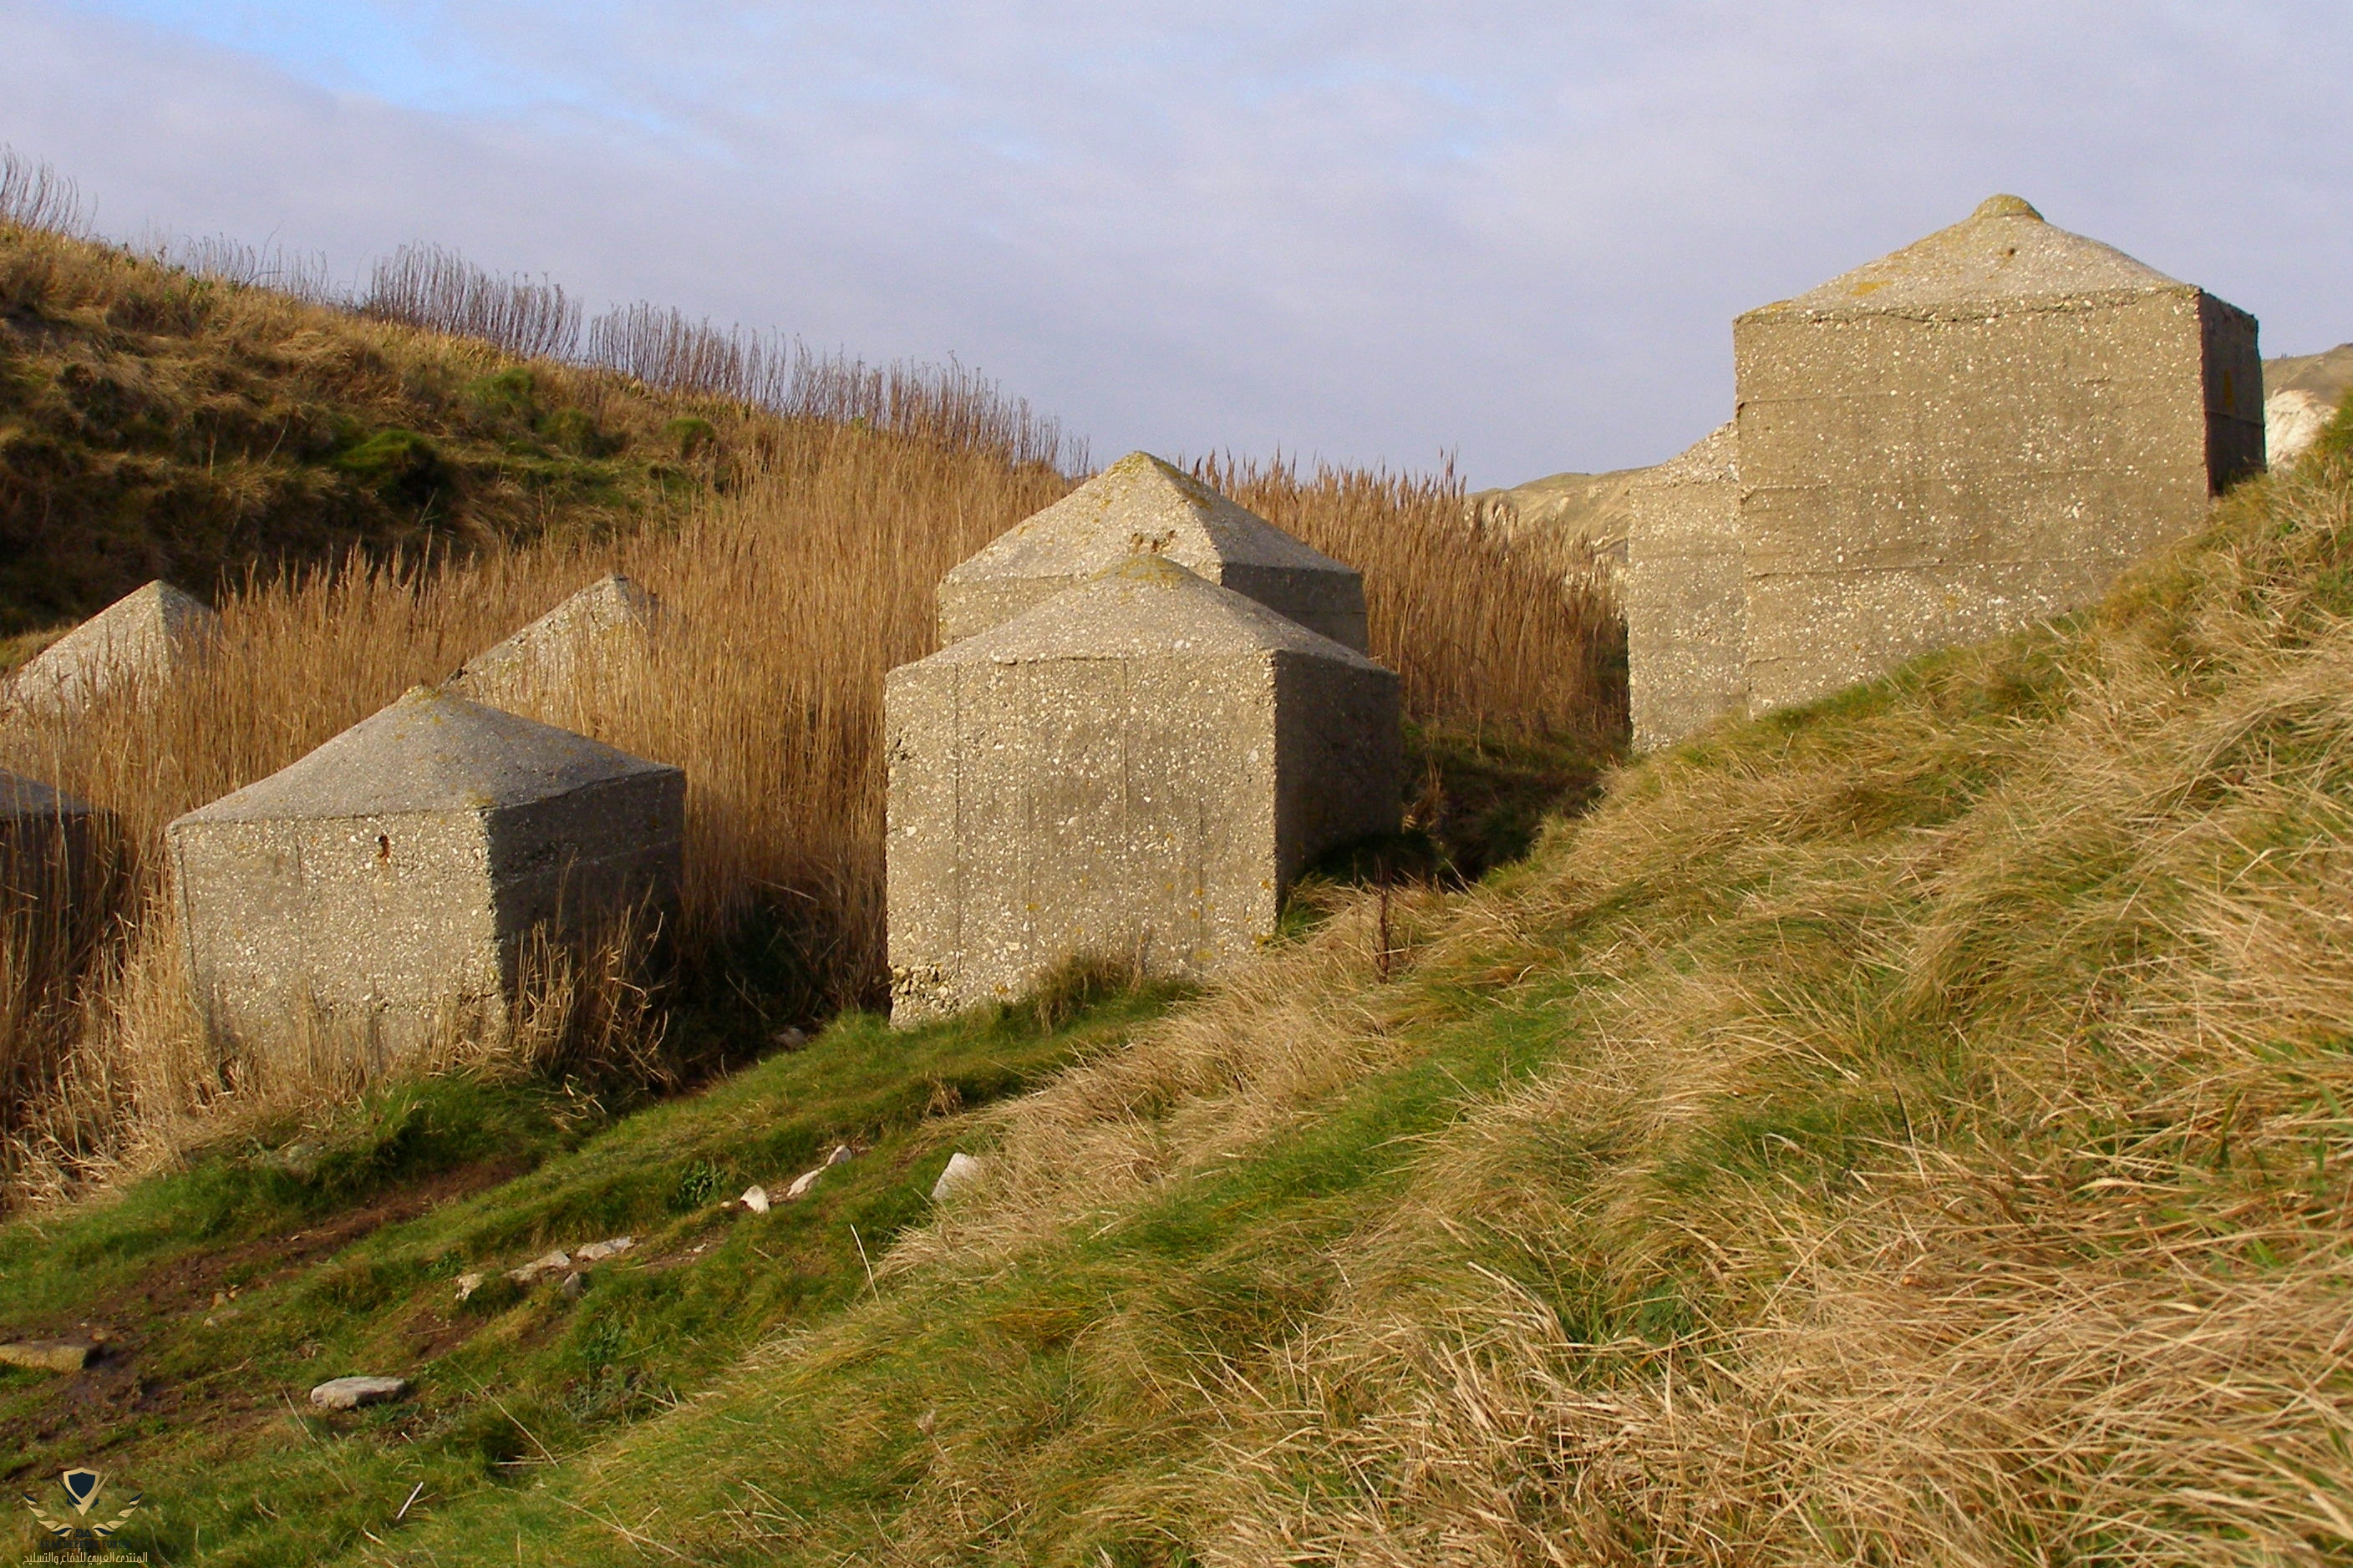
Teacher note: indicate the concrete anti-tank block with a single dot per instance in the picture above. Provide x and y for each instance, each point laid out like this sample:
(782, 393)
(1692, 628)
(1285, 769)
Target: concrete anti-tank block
(1974, 433)
(1141, 503)
(389, 879)
(1966, 436)
(148, 636)
(1135, 769)
(611, 617)
(1686, 638)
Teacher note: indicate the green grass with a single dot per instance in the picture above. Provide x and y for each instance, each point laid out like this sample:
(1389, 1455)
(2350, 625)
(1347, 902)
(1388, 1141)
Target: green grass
(342, 1245)
(1906, 1130)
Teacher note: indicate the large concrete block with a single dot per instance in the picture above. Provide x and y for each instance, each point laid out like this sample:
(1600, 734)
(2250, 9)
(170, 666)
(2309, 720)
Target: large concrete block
(148, 636)
(612, 618)
(1141, 503)
(1686, 648)
(1137, 768)
(1973, 433)
(390, 880)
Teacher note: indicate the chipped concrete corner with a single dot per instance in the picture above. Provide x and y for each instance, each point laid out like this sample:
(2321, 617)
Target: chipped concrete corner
(1970, 434)
(1135, 769)
(387, 884)
(1141, 503)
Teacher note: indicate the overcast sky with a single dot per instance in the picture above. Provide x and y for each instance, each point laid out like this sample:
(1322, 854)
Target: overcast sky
(1371, 232)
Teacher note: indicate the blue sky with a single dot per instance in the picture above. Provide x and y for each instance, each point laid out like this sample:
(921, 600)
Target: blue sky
(1370, 232)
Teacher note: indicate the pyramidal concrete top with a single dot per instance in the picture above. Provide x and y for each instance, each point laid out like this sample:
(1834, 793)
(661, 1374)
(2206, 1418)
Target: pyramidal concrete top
(1145, 606)
(430, 752)
(612, 603)
(2003, 253)
(22, 797)
(148, 630)
(1714, 457)
(1140, 503)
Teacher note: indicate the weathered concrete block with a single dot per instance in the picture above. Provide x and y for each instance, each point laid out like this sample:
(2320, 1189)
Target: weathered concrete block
(1969, 434)
(1686, 638)
(610, 617)
(389, 879)
(149, 635)
(1137, 768)
(1141, 503)
(1972, 434)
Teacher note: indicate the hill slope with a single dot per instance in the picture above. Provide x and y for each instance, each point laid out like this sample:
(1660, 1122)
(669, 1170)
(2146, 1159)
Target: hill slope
(1907, 1130)
(157, 423)
(1910, 1130)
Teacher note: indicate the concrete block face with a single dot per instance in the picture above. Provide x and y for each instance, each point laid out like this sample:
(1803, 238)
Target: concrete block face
(46, 842)
(574, 858)
(1135, 770)
(387, 883)
(1340, 759)
(1973, 434)
(147, 637)
(383, 924)
(2235, 427)
(1142, 504)
(1683, 591)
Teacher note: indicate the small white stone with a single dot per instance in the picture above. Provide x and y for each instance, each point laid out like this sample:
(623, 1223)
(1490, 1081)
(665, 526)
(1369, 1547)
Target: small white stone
(351, 1392)
(597, 1251)
(756, 1199)
(470, 1283)
(548, 1264)
(802, 1184)
(962, 1168)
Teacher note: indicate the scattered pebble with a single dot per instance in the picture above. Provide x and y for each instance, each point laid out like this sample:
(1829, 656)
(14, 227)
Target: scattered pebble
(351, 1392)
(962, 1168)
(842, 1154)
(529, 1274)
(598, 1251)
(49, 1355)
(470, 1283)
(756, 1199)
(790, 1038)
(574, 1286)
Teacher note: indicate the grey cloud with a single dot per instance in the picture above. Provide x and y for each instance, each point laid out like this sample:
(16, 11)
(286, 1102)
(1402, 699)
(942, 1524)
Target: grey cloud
(1370, 232)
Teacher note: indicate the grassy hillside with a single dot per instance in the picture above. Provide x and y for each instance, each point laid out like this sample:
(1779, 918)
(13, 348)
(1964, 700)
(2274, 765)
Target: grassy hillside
(1906, 1130)
(158, 424)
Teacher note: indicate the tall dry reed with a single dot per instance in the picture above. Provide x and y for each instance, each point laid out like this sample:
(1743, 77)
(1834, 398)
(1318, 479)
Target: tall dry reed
(1490, 635)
